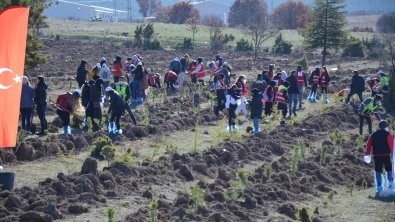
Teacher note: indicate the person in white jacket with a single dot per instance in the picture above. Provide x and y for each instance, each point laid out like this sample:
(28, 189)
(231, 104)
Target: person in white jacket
(105, 75)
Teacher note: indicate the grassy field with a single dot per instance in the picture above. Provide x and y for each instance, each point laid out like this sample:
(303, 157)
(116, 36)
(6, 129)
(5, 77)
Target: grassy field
(168, 34)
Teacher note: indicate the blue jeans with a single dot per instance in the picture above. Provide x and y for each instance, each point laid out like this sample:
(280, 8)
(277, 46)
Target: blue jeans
(292, 98)
(136, 92)
(256, 125)
(300, 95)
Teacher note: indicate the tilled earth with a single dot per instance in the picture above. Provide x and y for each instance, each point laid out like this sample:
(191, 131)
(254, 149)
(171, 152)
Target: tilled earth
(65, 195)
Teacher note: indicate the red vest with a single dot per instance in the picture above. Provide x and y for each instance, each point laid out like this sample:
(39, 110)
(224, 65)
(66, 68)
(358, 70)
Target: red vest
(323, 81)
(300, 79)
(201, 73)
(63, 102)
(279, 82)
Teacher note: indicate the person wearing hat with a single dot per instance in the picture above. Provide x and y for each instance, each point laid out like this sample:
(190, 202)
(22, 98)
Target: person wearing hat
(68, 104)
(123, 89)
(282, 98)
(380, 144)
(82, 73)
(314, 81)
(41, 103)
(324, 83)
(27, 103)
(357, 87)
(365, 110)
(256, 109)
(116, 110)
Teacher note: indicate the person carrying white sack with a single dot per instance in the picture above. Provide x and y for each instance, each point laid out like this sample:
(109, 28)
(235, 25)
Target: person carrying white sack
(240, 83)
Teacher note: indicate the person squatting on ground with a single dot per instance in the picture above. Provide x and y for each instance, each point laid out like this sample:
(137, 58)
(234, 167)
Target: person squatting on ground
(117, 68)
(153, 79)
(241, 84)
(68, 104)
(269, 97)
(324, 83)
(170, 80)
(232, 101)
(221, 98)
(365, 110)
(41, 103)
(380, 144)
(199, 72)
(357, 87)
(314, 81)
(116, 110)
(123, 89)
(256, 108)
(176, 67)
(302, 83)
(27, 103)
(82, 73)
(282, 98)
(293, 92)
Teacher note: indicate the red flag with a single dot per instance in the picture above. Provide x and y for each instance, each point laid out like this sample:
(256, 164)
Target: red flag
(13, 29)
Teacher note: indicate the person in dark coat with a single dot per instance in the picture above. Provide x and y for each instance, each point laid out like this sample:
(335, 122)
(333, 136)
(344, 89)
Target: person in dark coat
(41, 103)
(85, 97)
(116, 110)
(95, 102)
(357, 87)
(256, 108)
(265, 76)
(27, 97)
(293, 92)
(82, 73)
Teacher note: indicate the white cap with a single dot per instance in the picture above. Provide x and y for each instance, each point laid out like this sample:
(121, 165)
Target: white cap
(25, 80)
(77, 91)
(103, 59)
(109, 88)
(98, 65)
(379, 72)
(367, 79)
(148, 70)
(140, 64)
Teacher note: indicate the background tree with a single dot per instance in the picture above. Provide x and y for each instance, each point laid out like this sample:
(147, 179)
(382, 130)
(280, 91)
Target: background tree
(34, 45)
(325, 29)
(242, 10)
(386, 23)
(259, 29)
(193, 26)
(180, 12)
(148, 7)
(215, 25)
(290, 15)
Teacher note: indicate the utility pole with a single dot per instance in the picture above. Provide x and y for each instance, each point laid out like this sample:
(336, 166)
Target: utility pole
(115, 14)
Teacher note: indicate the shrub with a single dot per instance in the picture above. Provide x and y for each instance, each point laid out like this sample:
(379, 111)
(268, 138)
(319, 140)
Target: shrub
(303, 62)
(108, 152)
(98, 145)
(186, 44)
(354, 48)
(111, 215)
(243, 46)
(197, 195)
(154, 45)
(304, 215)
(281, 46)
(128, 44)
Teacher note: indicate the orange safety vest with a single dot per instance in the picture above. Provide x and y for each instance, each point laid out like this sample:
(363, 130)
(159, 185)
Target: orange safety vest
(280, 95)
(300, 79)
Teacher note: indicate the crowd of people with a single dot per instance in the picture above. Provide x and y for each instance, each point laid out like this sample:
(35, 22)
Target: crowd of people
(125, 85)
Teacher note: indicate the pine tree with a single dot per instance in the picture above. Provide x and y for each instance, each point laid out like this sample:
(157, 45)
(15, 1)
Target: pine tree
(326, 27)
(34, 57)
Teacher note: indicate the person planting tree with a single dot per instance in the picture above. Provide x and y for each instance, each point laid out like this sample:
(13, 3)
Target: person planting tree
(68, 104)
(365, 110)
(116, 110)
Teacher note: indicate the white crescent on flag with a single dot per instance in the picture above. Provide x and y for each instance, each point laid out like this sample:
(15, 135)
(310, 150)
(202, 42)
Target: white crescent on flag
(1, 71)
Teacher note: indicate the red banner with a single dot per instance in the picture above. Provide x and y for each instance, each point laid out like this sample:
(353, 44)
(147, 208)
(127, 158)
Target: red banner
(13, 35)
